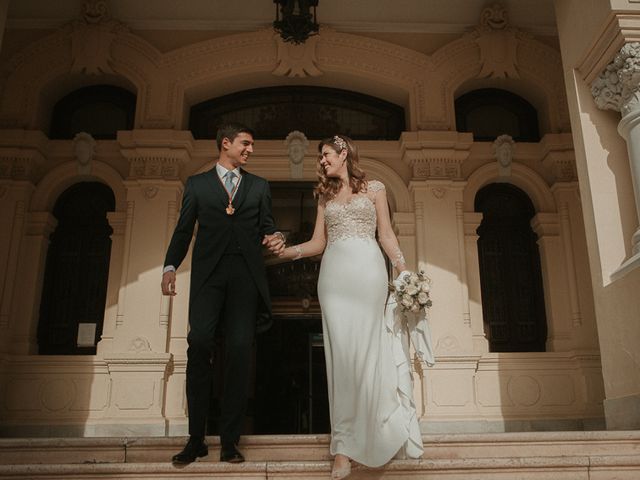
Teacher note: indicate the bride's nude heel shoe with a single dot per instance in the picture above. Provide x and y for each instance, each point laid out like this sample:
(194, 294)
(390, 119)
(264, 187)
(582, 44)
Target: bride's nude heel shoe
(342, 472)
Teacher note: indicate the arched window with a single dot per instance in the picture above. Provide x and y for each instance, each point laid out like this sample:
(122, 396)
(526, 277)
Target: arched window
(490, 112)
(75, 280)
(510, 276)
(317, 111)
(100, 110)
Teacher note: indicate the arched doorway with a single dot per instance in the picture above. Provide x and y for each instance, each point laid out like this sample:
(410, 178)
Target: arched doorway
(510, 275)
(77, 269)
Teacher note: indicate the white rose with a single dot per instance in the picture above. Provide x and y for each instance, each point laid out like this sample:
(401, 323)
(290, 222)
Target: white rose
(425, 287)
(414, 278)
(407, 301)
(415, 308)
(422, 298)
(412, 290)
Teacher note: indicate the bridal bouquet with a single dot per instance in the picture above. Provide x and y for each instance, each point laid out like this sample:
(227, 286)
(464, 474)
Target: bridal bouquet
(411, 291)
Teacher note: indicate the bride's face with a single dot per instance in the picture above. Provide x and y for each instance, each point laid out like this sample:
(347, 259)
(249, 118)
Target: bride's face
(333, 163)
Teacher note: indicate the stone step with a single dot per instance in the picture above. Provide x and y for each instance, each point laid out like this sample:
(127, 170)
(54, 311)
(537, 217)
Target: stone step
(502, 456)
(615, 467)
(312, 448)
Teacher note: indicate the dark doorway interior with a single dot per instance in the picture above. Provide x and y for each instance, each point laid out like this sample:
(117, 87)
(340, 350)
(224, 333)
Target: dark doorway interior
(289, 386)
(510, 273)
(75, 280)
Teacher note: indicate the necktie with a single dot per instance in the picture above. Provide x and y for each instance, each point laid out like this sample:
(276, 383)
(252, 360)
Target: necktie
(228, 181)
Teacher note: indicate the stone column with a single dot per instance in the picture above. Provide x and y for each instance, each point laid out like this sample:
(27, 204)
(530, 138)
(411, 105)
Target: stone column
(618, 88)
(139, 360)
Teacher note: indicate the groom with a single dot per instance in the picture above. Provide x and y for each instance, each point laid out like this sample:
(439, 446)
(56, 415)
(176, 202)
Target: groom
(228, 283)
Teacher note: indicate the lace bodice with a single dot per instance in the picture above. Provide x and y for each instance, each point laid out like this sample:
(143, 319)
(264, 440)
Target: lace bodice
(353, 219)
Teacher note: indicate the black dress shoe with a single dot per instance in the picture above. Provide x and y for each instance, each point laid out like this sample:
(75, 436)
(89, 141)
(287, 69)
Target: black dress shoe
(193, 449)
(229, 453)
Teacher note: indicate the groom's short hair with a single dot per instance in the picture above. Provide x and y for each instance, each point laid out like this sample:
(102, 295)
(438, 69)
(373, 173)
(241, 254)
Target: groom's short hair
(231, 131)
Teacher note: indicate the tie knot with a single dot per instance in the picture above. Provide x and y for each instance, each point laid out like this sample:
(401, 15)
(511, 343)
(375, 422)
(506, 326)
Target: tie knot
(228, 180)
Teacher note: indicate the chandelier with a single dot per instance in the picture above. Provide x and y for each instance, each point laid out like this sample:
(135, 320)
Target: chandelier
(294, 20)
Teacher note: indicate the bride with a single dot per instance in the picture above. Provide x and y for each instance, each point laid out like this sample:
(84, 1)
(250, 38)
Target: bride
(373, 417)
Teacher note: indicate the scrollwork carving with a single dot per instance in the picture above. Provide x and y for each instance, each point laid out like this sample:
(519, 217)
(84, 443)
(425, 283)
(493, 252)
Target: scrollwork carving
(150, 191)
(297, 60)
(139, 345)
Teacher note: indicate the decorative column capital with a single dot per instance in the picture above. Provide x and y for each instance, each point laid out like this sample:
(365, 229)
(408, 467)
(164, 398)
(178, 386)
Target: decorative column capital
(155, 154)
(22, 153)
(559, 157)
(435, 155)
(41, 223)
(618, 85)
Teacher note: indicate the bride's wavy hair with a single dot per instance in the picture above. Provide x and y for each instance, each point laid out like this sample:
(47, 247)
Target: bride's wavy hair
(328, 187)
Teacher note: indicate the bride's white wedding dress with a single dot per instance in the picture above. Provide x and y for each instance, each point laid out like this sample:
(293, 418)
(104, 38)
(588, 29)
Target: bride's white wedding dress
(373, 417)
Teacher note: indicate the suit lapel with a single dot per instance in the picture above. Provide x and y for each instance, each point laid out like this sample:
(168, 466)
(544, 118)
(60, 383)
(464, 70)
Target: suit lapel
(217, 186)
(243, 189)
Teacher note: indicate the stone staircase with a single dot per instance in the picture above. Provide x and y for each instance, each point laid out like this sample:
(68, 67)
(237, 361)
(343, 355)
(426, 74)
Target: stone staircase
(500, 456)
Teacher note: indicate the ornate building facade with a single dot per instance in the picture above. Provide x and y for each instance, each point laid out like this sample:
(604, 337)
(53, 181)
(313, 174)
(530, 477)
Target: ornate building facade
(546, 337)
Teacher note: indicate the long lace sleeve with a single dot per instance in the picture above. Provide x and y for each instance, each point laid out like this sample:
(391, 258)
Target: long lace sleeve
(387, 237)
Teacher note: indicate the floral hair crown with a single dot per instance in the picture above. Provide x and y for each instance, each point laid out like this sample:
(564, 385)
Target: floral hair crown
(339, 142)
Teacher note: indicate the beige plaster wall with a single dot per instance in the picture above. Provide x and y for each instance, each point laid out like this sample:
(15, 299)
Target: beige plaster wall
(610, 216)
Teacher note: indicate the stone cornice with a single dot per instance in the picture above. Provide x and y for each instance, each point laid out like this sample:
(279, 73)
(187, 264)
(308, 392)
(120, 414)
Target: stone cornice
(618, 30)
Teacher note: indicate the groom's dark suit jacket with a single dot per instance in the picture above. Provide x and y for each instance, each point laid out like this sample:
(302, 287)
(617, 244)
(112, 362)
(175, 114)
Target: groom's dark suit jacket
(205, 200)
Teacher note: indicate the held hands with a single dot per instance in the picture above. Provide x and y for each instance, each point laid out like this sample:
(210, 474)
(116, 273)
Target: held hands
(275, 243)
(169, 283)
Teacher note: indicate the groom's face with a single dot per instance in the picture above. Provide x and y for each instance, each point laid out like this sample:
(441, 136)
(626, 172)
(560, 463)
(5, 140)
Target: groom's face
(239, 149)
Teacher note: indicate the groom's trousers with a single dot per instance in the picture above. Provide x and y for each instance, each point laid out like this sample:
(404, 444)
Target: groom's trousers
(229, 298)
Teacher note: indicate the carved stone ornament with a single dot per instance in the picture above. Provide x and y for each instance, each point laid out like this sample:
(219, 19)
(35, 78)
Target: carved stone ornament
(150, 191)
(91, 39)
(95, 11)
(616, 88)
(503, 148)
(439, 193)
(19, 164)
(297, 145)
(296, 60)
(154, 167)
(498, 44)
(84, 147)
(139, 344)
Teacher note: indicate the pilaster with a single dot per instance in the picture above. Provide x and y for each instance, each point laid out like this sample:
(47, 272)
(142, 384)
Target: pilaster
(546, 226)
(436, 160)
(33, 256)
(21, 159)
(471, 221)
(136, 341)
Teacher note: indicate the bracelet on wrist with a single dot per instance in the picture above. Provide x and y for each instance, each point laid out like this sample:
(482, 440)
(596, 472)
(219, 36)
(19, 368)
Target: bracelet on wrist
(298, 250)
